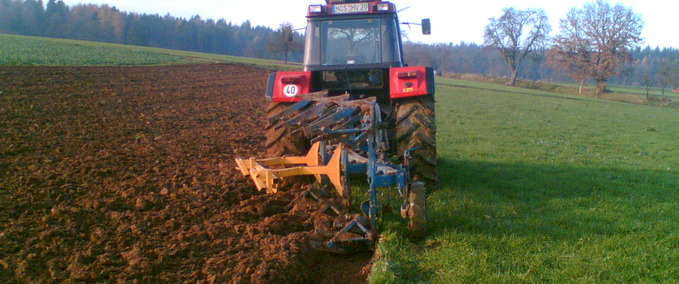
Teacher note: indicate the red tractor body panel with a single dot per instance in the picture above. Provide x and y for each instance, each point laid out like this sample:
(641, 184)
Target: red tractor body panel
(288, 86)
(410, 81)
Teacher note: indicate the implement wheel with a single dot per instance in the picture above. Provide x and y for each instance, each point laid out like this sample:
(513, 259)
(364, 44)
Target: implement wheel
(279, 142)
(417, 214)
(416, 128)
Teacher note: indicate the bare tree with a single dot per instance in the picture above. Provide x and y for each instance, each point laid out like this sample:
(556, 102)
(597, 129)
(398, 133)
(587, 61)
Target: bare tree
(285, 41)
(571, 59)
(647, 81)
(517, 34)
(596, 41)
(668, 74)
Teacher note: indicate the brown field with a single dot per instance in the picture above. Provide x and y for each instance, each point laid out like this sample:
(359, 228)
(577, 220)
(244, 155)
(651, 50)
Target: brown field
(126, 174)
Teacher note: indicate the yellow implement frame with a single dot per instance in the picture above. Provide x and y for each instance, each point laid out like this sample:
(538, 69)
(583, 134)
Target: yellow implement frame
(265, 178)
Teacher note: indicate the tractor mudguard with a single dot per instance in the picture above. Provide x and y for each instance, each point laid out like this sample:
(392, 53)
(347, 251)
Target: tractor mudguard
(411, 81)
(285, 87)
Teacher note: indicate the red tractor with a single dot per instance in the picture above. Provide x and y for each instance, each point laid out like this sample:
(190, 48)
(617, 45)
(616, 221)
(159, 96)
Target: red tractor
(355, 47)
(355, 108)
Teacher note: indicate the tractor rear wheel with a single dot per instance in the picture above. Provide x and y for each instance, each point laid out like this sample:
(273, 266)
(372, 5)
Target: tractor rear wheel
(416, 128)
(279, 141)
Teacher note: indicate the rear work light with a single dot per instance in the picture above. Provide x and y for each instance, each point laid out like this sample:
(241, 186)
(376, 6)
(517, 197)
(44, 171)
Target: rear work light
(383, 7)
(407, 75)
(315, 9)
(291, 80)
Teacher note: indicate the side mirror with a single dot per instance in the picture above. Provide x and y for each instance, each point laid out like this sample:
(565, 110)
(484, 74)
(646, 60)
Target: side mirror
(426, 27)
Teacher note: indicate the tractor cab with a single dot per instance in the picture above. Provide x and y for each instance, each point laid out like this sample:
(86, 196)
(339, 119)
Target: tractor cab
(352, 34)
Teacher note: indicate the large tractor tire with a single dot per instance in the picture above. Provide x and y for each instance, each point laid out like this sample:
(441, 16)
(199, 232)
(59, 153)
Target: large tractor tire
(416, 128)
(279, 142)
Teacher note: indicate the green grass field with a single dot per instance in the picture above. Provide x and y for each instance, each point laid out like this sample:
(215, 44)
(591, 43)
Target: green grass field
(535, 186)
(540, 187)
(25, 50)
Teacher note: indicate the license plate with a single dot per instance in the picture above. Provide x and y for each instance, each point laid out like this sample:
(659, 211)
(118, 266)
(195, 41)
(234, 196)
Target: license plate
(350, 8)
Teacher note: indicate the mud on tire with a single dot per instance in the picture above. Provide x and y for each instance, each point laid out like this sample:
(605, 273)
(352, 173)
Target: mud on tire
(416, 128)
(417, 212)
(279, 142)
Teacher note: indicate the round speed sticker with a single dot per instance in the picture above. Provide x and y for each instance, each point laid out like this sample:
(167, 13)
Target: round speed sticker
(290, 90)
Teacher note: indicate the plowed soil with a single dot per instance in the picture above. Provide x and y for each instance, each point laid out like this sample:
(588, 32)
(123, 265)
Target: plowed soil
(126, 174)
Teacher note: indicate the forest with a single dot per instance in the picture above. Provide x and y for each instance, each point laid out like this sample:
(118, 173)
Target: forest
(104, 23)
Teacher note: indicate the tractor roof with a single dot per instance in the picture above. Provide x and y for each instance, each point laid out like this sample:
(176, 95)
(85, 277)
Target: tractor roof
(347, 1)
(348, 7)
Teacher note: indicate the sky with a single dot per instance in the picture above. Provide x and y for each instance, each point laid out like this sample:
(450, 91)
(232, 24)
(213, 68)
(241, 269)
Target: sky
(452, 22)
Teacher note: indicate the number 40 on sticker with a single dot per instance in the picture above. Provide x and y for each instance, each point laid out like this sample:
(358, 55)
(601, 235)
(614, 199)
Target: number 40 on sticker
(290, 90)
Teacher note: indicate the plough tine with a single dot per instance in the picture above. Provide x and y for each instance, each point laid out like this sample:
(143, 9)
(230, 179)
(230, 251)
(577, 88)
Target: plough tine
(335, 99)
(350, 237)
(306, 110)
(315, 95)
(310, 114)
(339, 116)
(290, 110)
(307, 100)
(346, 125)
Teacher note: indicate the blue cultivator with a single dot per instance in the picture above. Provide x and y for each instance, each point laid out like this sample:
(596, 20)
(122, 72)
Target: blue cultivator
(347, 138)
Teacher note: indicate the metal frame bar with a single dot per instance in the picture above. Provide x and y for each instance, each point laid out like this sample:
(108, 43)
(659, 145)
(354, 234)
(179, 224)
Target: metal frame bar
(265, 177)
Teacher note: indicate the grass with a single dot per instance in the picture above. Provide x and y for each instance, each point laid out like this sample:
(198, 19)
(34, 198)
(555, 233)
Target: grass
(641, 92)
(627, 94)
(25, 50)
(541, 187)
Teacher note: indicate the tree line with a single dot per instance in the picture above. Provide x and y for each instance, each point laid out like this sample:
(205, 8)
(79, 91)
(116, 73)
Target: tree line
(471, 58)
(643, 66)
(104, 23)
